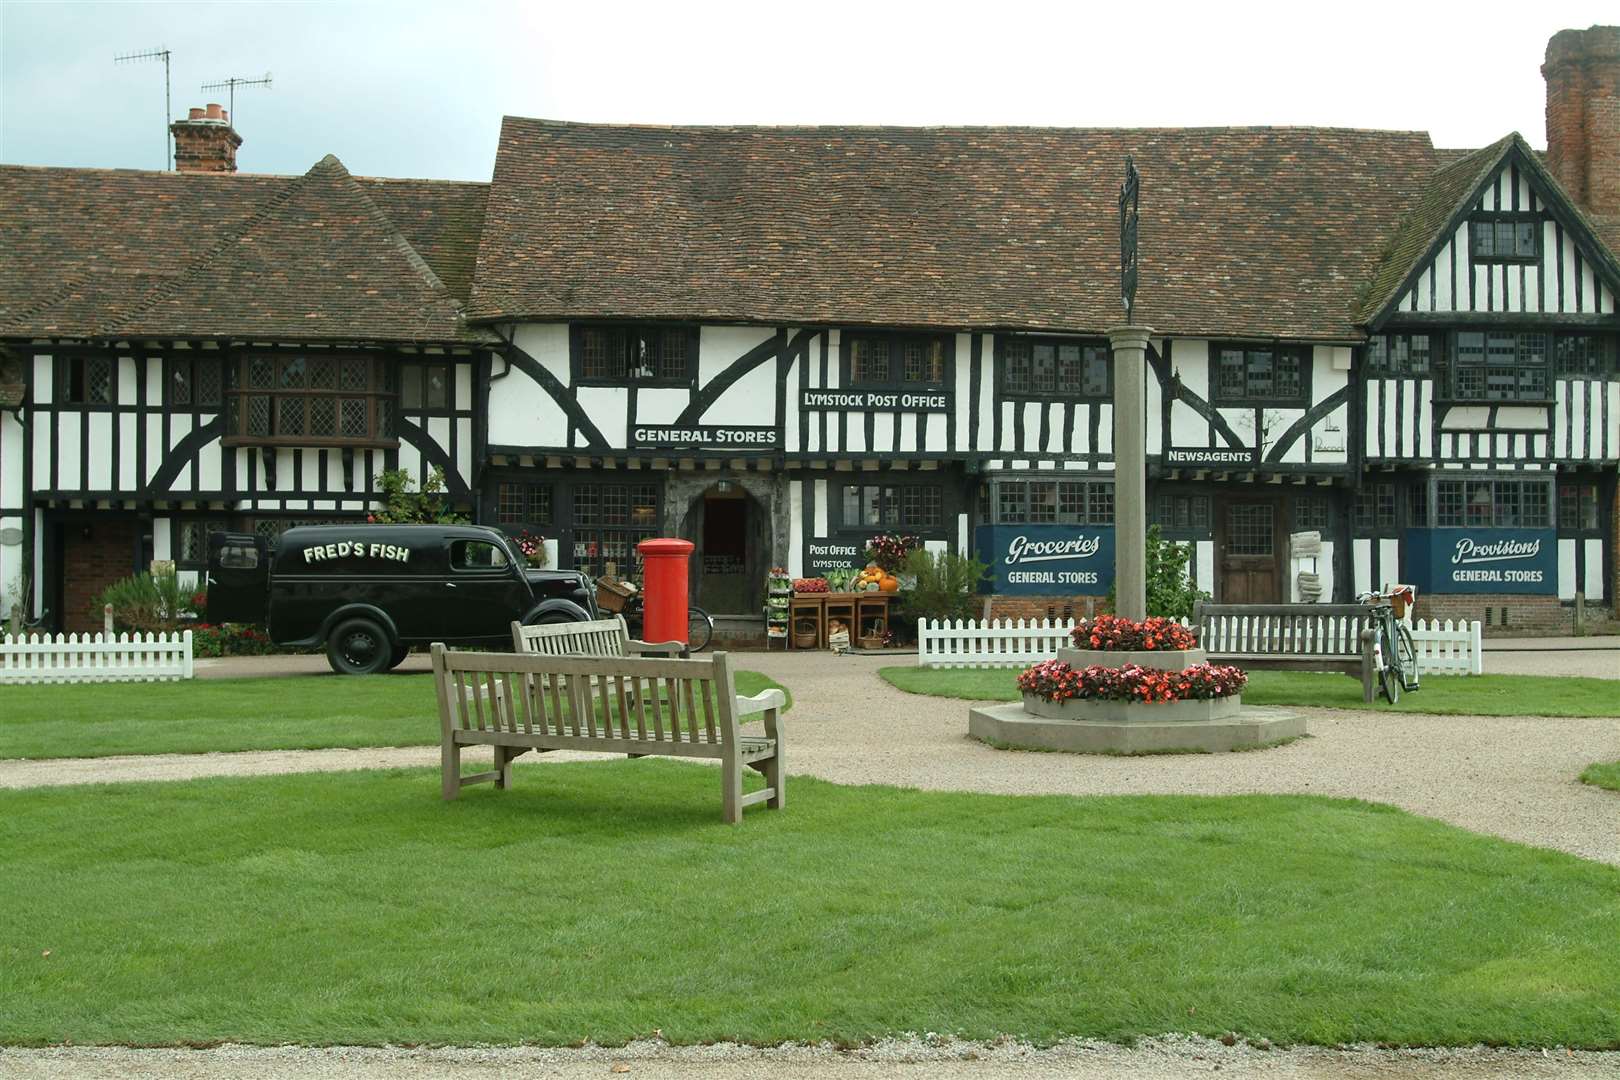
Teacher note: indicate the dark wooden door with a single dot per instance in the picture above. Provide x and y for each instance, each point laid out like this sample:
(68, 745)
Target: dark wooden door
(1249, 552)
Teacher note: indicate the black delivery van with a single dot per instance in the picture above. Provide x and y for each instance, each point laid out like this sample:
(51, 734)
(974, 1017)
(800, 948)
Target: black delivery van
(368, 592)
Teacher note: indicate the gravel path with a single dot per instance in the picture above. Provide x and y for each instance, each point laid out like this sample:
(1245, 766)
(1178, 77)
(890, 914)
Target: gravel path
(1157, 1059)
(1514, 777)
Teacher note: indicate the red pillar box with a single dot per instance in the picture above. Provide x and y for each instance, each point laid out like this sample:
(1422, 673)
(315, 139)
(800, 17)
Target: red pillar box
(663, 600)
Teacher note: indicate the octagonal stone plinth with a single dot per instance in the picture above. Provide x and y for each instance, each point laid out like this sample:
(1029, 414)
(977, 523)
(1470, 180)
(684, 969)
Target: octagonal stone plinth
(1167, 659)
(1010, 726)
(1135, 712)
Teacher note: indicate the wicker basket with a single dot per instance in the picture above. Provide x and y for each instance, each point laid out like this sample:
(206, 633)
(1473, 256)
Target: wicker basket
(872, 641)
(611, 596)
(1400, 598)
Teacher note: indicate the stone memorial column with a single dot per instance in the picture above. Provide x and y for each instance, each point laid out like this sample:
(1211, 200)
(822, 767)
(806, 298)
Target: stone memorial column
(1129, 344)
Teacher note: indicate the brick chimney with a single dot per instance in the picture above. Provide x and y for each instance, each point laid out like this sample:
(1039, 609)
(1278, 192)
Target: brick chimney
(1583, 116)
(205, 141)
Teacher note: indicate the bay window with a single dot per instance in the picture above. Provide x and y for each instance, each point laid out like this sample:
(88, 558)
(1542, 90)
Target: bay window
(309, 400)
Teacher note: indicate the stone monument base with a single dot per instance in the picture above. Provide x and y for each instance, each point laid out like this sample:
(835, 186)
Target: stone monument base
(1010, 726)
(1164, 659)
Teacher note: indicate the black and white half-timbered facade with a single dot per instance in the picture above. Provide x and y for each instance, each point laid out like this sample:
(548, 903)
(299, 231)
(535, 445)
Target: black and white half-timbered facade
(1374, 360)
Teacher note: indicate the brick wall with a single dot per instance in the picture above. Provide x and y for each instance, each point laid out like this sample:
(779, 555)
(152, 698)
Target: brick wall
(90, 564)
(1045, 607)
(1525, 615)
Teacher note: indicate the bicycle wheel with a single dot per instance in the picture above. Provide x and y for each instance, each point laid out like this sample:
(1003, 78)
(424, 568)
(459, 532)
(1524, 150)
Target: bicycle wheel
(699, 629)
(1389, 674)
(1408, 657)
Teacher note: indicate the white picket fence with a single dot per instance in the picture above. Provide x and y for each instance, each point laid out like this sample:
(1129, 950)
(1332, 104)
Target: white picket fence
(998, 643)
(1448, 648)
(72, 658)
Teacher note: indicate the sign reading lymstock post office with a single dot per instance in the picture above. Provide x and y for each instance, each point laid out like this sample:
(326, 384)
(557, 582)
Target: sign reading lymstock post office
(1047, 560)
(876, 400)
(1484, 560)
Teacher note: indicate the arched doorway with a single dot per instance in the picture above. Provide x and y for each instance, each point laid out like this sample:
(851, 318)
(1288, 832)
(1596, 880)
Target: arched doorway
(730, 528)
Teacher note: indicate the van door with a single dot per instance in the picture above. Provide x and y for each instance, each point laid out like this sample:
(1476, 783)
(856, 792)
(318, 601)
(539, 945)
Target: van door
(238, 578)
(483, 592)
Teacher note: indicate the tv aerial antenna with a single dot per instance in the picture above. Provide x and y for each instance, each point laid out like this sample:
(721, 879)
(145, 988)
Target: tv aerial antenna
(230, 86)
(164, 55)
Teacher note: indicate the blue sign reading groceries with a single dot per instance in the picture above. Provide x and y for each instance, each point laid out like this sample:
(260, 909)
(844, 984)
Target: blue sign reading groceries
(1483, 560)
(1047, 560)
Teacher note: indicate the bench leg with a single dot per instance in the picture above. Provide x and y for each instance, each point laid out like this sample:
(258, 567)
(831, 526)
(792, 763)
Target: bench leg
(450, 768)
(731, 788)
(503, 767)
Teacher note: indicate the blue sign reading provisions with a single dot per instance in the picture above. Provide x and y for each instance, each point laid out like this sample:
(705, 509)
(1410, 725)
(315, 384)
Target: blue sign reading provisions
(1047, 560)
(1483, 560)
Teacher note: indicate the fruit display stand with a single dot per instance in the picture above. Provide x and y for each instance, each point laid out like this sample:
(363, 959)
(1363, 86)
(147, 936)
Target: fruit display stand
(778, 598)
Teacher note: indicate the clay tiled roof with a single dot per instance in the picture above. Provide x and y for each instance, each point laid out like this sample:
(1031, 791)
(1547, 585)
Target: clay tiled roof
(442, 220)
(1249, 231)
(110, 252)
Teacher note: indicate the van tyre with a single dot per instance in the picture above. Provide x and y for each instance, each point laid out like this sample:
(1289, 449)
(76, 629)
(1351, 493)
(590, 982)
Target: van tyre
(359, 647)
(398, 657)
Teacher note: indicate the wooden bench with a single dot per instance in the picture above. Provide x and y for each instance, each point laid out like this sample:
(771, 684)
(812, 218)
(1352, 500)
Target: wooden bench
(598, 637)
(1291, 637)
(517, 702)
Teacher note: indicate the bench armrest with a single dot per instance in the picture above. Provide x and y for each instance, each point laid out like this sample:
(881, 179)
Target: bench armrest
(769, 702)
(760, 702)
(635, 647)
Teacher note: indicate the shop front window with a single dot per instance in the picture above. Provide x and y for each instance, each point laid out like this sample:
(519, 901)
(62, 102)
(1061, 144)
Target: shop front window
(901, 507)
(1493, 503)
(1053, 502)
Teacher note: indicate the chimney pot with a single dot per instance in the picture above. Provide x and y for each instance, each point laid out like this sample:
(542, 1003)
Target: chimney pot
(214, 111)
(196, 113)
(1582, 70)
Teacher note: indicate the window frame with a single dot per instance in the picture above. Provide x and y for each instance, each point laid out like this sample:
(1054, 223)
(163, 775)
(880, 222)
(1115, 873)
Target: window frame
(895, 340)
(177, 524)
(576, 354)
(417, 371)
(1477, 222)
(1304, 354)
(1397, 362)
(1601, 366)
(1002, 343)
(381, 396)
(1583, 487)
(1519, 482)
(1091, 492)
(63, 369)
(890, 514)
(1456, 366)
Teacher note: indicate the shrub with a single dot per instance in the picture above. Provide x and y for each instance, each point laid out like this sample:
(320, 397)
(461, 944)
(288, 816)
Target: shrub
(402, 506)
(230, 639)
(1111, 632)
(947, 585)
(146, 603)
(1170, 592)
(1054, 680)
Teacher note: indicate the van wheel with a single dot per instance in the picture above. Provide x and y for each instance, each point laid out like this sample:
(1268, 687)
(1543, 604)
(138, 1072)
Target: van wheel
(398, 657)
(359, 647)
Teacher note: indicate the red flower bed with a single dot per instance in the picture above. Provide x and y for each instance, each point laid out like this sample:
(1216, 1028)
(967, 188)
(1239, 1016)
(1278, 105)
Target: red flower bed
(1115, 634)
(1053, 680)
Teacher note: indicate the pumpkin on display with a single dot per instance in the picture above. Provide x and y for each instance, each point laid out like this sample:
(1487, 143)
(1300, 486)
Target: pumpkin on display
(889, 584)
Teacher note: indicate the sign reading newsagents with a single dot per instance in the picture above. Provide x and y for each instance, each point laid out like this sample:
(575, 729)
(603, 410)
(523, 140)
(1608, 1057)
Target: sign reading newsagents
(1483, 560)
(1047, 560)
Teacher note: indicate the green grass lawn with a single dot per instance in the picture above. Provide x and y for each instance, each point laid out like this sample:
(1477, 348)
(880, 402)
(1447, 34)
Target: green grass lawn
(1450, 695)
(606, 901)
(101, 719)
(1603, 775)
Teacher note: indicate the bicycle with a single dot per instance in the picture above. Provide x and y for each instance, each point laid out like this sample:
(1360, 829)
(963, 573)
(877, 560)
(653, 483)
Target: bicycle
(1394, 651)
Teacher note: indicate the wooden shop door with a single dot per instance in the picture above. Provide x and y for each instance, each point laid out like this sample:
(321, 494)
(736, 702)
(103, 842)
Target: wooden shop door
(1249, 551)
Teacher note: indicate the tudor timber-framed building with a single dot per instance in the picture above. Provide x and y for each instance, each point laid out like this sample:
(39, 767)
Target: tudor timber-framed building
(778, 341)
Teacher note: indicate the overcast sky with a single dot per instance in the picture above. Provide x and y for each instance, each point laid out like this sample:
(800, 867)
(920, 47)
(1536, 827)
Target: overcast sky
(418, 89)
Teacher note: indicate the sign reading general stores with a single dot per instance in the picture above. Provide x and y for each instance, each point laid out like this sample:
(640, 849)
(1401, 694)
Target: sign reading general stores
(876, 400)
(1484, 560)
(705, 436)
(1046, 560)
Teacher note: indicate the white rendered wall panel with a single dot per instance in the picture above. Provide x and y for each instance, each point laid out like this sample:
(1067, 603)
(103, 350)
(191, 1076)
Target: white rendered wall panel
(795, 529)
(821, 508)
(1566, 567)
(1596, 582)
(12, 481)
(607, 406)
(1361, 564)
(66, 449)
